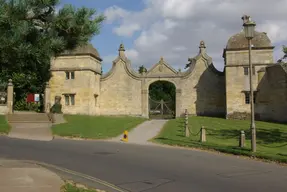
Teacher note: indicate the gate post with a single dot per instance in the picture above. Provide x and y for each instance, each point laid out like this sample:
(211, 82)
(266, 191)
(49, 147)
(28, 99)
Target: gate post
(145, 105)
(10, 96)
(178, 103)
(47, 104)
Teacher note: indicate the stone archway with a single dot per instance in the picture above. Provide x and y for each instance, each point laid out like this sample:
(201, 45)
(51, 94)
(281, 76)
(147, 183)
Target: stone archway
(162, 100)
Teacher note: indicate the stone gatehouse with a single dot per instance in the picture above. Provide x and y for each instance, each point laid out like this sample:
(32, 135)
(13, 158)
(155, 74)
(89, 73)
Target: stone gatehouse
(201, 89)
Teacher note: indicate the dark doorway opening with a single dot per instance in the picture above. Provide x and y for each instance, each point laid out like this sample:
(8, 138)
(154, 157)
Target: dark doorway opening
(162, 100)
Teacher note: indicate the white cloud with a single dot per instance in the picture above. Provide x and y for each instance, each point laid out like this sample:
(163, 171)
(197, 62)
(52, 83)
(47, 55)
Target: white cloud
(132, 54)
(127, 30)
(114, 13)
(174, 28)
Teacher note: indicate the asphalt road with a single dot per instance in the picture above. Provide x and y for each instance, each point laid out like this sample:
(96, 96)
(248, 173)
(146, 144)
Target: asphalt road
(152, 169)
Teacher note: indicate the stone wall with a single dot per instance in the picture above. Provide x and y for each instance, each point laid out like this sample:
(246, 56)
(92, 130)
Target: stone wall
(120, 93)
(3, 109)
(203, 92)
(272, 96)
(237, 83)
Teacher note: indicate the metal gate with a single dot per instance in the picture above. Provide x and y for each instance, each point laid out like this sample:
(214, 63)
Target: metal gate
(161, 109)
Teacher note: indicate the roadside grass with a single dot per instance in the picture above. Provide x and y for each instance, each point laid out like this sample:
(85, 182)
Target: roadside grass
(4, 126)
(72, 188)
(223, 135)
(95, 127)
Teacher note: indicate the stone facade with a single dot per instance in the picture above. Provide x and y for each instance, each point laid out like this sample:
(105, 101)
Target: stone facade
(201, 89)
(122, 91)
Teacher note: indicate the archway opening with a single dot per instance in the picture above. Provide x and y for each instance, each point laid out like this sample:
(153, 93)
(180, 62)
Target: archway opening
(162, 100)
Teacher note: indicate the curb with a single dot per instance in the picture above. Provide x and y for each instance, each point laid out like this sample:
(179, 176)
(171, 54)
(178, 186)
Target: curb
(108, 186)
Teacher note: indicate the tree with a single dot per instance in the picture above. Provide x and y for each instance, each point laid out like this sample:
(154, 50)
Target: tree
(142, 69)
(284, 49)
(32, 32)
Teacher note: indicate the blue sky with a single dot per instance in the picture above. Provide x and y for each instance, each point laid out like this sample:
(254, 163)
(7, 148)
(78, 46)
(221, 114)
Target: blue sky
(107, 42)
(173, 29)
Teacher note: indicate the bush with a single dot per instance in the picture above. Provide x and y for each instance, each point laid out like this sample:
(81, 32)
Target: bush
(22, 105)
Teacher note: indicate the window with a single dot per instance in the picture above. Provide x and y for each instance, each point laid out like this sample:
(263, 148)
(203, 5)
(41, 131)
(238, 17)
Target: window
(69, 99)
(247, 97)
(70, 75)
(246, 70)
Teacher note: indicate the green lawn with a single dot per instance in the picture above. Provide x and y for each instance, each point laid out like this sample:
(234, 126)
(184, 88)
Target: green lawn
(4, 127)
(223, 135)
(71, 188)
(95, 127)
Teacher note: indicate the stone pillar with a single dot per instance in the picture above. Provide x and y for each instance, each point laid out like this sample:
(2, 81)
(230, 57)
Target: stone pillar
(145, 104)
(47, 103)
(178, 103)
(10, 96)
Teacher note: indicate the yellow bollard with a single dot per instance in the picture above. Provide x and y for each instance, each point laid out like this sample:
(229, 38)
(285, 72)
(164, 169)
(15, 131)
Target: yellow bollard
(125, 137)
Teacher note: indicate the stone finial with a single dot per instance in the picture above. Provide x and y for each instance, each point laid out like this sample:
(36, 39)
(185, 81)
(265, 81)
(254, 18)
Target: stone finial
(10, 83)
(47, 85)
(122, 47)
(122, 51)
(161, 60)
(245, 18)
(202, 47)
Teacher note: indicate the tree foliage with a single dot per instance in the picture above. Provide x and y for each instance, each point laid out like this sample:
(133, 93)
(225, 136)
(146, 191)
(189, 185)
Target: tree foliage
(284, 49)
(33, 31)
(162, 90)
(142, 69)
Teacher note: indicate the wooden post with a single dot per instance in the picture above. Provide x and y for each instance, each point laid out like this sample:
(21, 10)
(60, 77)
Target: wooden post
(242, 139)
(161, 105)
(202, 134)
(187, 133)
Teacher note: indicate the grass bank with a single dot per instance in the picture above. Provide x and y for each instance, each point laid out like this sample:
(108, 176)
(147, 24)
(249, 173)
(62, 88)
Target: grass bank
(223, 135)
(95, 127)
(4, 127)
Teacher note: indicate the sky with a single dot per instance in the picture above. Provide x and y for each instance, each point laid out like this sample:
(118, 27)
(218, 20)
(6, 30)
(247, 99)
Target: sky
(173, 29)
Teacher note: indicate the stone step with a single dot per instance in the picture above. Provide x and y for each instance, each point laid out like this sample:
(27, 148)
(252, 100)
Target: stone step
(31, 131)
(33, 117)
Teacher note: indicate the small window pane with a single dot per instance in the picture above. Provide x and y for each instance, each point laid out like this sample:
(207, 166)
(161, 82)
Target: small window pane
(245, 70)
(247, 98)
(73, 75)
(67, 75)
(72, 99)
(67, 100)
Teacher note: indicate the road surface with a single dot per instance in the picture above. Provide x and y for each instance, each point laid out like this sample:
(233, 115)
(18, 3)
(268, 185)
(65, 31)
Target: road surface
(138, 168)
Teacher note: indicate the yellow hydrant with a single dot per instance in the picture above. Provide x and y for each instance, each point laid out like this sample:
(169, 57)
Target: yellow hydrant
(125, 136)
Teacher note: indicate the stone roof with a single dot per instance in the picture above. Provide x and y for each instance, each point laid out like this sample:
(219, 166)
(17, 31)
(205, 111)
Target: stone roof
(238, 41)
(84, 50)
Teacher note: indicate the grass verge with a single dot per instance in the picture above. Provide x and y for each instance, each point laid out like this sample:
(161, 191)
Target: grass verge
(223, 135)
(4, 126)
(95, 127)
(72, 188)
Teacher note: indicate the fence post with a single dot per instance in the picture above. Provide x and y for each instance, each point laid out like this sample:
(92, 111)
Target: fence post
(202, 134)
(242, 139)
(186, 124)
